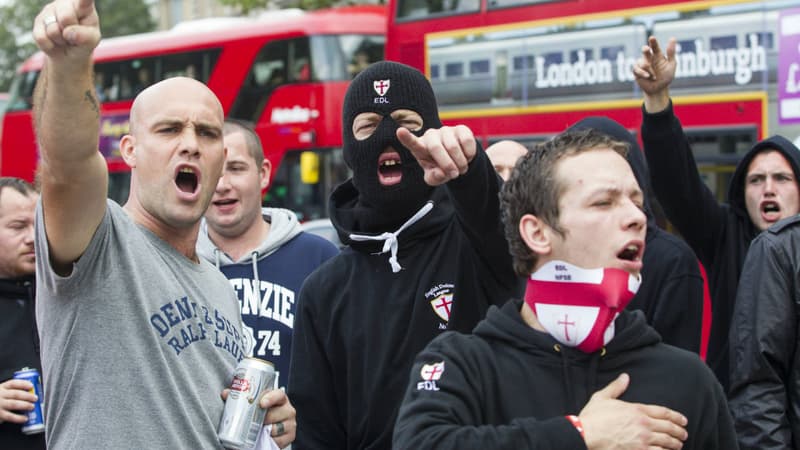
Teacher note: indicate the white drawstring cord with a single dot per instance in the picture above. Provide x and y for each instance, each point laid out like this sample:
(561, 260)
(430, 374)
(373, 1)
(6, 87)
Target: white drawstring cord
(390, 239)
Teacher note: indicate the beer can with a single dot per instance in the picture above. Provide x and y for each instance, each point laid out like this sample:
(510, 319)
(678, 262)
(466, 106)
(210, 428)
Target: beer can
(35, 423)
(242, 418)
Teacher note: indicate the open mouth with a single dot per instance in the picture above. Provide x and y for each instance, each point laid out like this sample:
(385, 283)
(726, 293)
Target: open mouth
(186, 180)
(390, 168)
(224, 202)
(771, 210)
(631, 252)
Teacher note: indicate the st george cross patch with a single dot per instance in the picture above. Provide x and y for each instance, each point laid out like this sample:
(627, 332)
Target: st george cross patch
(442, 305)
(381, 86)
(430, 373)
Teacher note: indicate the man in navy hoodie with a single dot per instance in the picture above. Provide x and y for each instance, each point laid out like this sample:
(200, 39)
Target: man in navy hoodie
(526, 376)
(762, 191)
(262, 251)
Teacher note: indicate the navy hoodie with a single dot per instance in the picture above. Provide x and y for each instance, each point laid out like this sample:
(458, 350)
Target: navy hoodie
(719, 234)
(267, 282)
(359, 324)
(671, 293)
(509, 386)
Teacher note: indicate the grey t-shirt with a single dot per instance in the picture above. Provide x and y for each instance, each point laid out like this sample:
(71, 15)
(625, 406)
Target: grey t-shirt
(137, 342)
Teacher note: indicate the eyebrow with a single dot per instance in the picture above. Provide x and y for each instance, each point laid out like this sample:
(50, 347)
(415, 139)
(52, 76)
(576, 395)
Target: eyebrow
(616, 191)
(163, 122)
(178, 122)
(765, 173)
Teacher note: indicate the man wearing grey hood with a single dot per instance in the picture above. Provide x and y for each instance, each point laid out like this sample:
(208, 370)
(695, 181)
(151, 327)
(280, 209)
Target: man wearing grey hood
(262, 251)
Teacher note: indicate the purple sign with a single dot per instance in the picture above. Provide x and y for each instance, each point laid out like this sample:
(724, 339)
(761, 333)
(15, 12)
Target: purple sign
(112, 128)
(789, 67)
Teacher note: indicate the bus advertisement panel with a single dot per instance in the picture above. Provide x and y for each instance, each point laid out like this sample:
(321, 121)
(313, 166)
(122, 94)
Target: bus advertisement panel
(527, 69)
(286, 72)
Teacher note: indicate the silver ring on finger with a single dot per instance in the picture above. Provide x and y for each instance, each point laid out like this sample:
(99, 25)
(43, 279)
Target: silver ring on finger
(49, 19)
(279, 429)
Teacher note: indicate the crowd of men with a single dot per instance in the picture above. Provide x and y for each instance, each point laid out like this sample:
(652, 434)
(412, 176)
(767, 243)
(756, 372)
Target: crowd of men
(506, 298)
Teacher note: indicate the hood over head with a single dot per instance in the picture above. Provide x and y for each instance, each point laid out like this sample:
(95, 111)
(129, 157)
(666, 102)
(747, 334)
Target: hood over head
(350, 217)
(383, 88)
(736, 188)
(284, 226)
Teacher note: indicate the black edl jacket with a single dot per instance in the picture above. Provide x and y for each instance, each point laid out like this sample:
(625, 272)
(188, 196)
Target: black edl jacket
(719, 234)
(509, 386)
(359, 325)
(765, 362)
(19, 348)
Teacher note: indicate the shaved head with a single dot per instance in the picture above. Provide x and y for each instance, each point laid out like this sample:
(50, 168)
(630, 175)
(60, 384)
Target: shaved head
(175, 151)
(154, 96)
(504, 155)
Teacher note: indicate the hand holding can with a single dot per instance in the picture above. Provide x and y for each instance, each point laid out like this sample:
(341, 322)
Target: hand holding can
(242, 417)
(35, 423)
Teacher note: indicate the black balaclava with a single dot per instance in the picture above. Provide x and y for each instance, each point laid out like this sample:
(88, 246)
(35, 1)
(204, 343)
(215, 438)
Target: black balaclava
(382, 88)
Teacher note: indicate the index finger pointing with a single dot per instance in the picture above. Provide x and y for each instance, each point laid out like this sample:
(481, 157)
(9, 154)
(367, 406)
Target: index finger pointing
(84, 7)
(410, 141)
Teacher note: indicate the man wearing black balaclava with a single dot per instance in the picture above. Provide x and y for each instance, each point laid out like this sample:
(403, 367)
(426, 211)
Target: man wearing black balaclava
(426, 253)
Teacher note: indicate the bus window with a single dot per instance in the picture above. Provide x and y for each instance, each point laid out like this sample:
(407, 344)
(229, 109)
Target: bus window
(717, 152)
(422, 8)
(122, 80)
(278, 63)
(136, 75)
(309, 198)
(360, 51)
(197, 65)
(507, 3)
(22, 92)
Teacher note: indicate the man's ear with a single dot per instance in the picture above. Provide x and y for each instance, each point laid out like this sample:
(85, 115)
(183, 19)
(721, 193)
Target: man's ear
(266, 168)
(127, 148)
(536, 234)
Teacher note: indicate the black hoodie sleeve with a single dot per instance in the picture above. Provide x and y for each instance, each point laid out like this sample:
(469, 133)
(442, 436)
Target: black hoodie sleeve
(311, 387)
(687, 201)
(763, 339)
(446, 412)
(477, 203)
(672, 298)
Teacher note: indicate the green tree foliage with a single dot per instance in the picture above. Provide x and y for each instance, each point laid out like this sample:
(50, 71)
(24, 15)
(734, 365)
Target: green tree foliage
(123, 17)
(117, 18)
(15, 41)
(245, 6)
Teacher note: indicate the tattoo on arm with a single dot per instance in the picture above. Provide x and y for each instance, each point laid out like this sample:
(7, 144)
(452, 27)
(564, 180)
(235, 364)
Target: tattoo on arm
(39, 95)
(92, 102)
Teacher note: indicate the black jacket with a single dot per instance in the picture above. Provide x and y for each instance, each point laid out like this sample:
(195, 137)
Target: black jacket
(718, 233)
(359, 325)
(509, 386)
(19, 347)
(671, 293)
(765, 362)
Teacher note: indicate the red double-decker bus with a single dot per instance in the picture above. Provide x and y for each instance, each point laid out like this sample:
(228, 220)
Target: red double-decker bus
(527, 69)
(286, 72)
